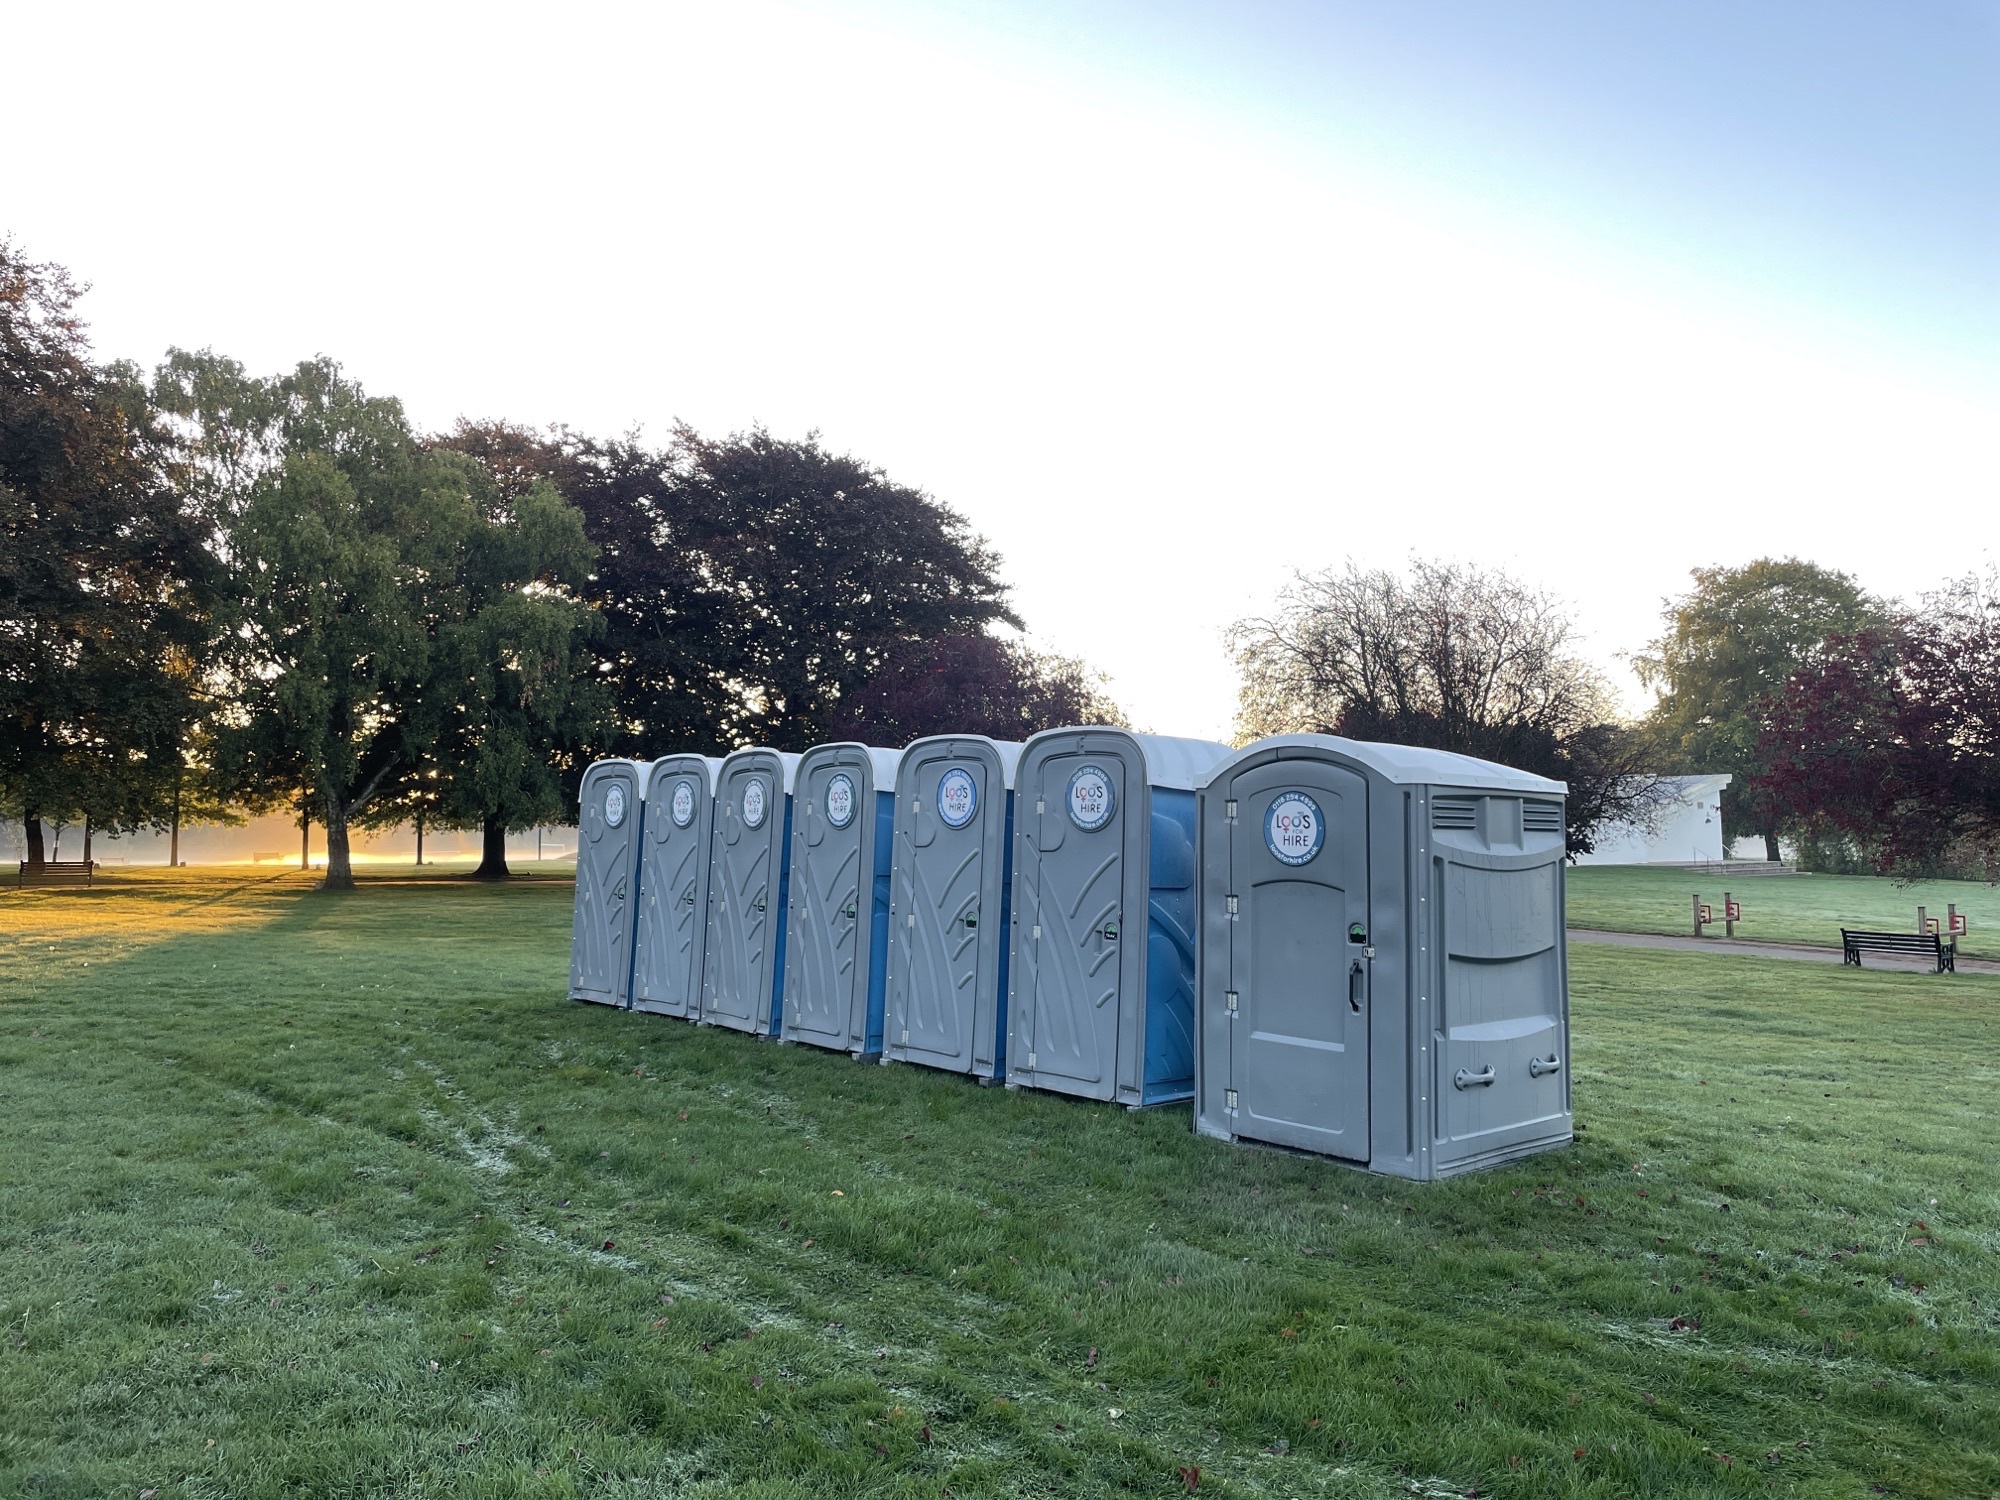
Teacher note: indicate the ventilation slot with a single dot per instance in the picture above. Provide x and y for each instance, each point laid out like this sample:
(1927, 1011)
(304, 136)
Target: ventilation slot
(1542, 817)
(1453, 812)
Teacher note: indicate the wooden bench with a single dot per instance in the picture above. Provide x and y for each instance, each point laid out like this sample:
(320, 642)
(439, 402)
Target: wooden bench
(1914, 944)
(58, 872)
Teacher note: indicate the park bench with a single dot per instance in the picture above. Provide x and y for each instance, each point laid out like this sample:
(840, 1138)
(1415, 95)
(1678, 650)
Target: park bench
(1917, 944)
(58, 872)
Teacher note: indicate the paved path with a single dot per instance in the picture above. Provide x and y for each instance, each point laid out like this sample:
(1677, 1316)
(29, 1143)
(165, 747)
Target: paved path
(1798, 951)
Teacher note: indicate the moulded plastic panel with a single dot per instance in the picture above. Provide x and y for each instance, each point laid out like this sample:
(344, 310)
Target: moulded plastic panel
(673, 885)
(838, 915)
(743, 953)
(609, 816)
(1104, 930)
(950, 905)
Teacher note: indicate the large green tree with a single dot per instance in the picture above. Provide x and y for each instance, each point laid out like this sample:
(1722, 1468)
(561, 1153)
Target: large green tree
(342, 536)
(509, 707)
(1728, 647)
(751, 586)
(105, 588)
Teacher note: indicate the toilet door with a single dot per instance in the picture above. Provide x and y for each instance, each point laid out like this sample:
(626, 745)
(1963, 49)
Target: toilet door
(1074, 919)
(939, 934)
(1298, 962)
(737, 989)
(666, 975)
(601, 935)
(827, 916)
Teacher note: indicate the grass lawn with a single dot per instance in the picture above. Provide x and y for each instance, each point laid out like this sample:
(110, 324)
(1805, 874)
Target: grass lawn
(313, 1195)
(1778, 908)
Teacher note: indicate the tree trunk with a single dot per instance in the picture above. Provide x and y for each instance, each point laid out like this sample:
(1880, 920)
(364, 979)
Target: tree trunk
(86, 838)
(174, 837)
(420, 836)
(31, 827)
(305, 838)
(1771, 844)
(339, 867)
(492, 850)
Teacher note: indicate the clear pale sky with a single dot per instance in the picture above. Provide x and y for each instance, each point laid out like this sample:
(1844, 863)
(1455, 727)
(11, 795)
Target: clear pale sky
(1168, 299)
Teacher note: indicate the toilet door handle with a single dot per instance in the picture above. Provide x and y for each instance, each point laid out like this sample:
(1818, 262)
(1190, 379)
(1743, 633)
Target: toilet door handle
(1468, 1080)
(1354, 988)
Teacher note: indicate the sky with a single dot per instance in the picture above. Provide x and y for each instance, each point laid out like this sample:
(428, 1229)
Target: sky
(1169, 300)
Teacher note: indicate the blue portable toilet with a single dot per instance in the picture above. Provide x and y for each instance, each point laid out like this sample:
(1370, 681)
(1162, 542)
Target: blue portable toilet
(1101, 997)
(673, 885)
(951, 889)
(610, 808)
(743, 952)
(837, 918)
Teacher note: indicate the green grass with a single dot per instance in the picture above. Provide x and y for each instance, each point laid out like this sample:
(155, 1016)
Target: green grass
(1778, 908)
(311, 1195)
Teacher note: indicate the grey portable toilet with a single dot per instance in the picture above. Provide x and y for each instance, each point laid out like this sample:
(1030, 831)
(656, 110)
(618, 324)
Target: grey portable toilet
(1382, 960)
(743, 951)
(673, 885)
(1101, 982)
(609, 810)
(837, 921)
(950, 893)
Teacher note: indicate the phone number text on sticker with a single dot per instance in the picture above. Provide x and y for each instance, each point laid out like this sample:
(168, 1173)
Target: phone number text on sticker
(1294, 830)
(957, 798)
(1090, 798)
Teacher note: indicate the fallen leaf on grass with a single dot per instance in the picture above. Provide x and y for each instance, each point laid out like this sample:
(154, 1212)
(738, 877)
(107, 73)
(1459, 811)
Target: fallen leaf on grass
(838, 1193)
(1190, 1476)
(1091, 1360)
(1116, 1412)
(659, 1322)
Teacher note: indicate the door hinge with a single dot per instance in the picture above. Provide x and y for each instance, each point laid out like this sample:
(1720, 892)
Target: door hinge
(1040, 807)
(1031, 1062)
(1229, 1000)
(1229, 1100)
(1229, 809)
(906, 1036)
(1038, 932)
(913, 919)
(1230, 903)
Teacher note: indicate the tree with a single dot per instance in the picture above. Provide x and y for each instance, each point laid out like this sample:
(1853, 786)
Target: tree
(1450, 657)
(971, 684)
(750, 586)
(104, 586)
(1729, 647)
(1890, 737)
(509, 704)
(342, 535)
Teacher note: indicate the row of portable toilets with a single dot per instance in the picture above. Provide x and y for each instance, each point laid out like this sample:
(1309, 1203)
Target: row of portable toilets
(1346, 948)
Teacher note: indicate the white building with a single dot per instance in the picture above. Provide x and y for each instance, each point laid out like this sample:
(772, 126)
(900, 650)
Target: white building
(1687, 829)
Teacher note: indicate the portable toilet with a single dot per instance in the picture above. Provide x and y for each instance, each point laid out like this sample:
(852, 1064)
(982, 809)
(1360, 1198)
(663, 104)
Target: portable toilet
(1382, 962)
(743, 951)
(673, 885)
(837, 920)
(1101, 983)
(950, 892)
(610, 807)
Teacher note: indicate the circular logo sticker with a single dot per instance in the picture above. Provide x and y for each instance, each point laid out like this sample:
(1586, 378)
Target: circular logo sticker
(1091, 800)
(958, 797)
(1294, 829)
(683, 804)
(755, 802)
(614, 803)
(840, 800)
